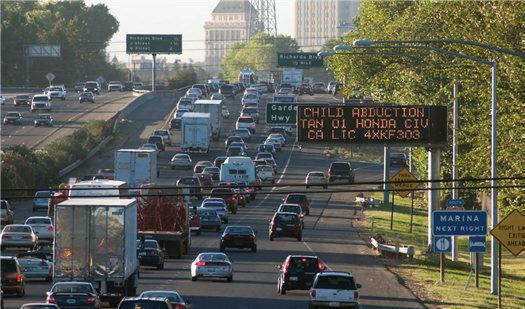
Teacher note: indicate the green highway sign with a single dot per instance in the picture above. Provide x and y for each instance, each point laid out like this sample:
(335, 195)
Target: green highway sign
(299, 60)
(281, 113)
(153, 43)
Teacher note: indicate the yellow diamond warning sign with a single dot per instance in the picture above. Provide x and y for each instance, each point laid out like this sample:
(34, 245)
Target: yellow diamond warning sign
(510, 232)
(404, 188)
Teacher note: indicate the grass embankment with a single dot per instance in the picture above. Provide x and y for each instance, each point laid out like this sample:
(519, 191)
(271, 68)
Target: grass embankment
(423, 276)
(360, 154)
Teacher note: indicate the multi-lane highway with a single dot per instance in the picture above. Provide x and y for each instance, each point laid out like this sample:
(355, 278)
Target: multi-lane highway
(68, 116)
(328, 229)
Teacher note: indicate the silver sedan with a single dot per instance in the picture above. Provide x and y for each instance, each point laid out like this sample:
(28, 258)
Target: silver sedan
(18, 236)
(212, 265)
(181, 160)
(37, 268)
(316, 178)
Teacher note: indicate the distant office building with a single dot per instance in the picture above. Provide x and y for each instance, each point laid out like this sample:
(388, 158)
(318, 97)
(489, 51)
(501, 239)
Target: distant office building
(230, 24)
(319, 20)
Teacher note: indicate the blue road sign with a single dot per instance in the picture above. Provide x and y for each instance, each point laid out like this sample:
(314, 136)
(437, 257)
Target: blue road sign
(455, 203)
(459, 223)
(442, 244)
(477, 244)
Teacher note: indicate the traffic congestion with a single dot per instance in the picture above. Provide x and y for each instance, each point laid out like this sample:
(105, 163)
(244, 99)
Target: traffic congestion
(239, 181)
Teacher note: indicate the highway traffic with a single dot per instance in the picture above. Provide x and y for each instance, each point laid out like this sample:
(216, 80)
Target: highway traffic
(328, 232)
(68, 116)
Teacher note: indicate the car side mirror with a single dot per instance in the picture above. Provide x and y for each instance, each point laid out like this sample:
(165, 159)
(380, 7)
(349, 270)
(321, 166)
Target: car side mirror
(269, 220)
(232, 261)
(187, 303)
(358, 286)
(309, 201)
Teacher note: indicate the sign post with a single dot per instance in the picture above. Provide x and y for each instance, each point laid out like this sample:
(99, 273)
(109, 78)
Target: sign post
(442, 244)
(455, 204)
(510, 232)
(403, 189)
(50, 76)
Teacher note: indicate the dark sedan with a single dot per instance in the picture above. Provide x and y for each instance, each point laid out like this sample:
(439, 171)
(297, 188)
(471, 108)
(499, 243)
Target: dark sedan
(86, 97)
(23, 99)
(239, 237)
(149, 253)
(214, 171)
(72, 295)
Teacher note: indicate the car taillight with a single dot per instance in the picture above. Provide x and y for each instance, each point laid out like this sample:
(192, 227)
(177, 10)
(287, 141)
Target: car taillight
(233, 198)
(51, 300)
(90, 300)
(308, 178)
(200, 263)
(50, 228)
(312, 293)
(34, 199)
(251, 237)
(299, 220)
(356, 295)
(26, 237)
(320, 266)
(18, 278)
(302, 215)
(154, 251)
(323, 178)
(253, 124)
(6, 237)
(178, 306)
(286, 267)
(241, 197)
(42, 264)
(218, 218)
(226, 237)
(329, 170)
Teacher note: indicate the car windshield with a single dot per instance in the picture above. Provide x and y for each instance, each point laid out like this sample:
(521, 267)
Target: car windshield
(304, 263)
(398, 155)
(238, 230)
(290, 209)
(296, 199)
(44, 117)
(213, 205)
(316, 174)
(250, 96)
(161, 132)
(22, 97)
(224, 108)
(40, 98)
(38, 221)
(189, 181)
(335, 282)
(221, 193)
(181, 156)
(12, 114)
(211, 170)
(266, 147)
(265, 168)
(207, 212)
(17, 229)
(285, 218)
(143, 304)
(148, 244)
(250, 111)
(72, 288)
(172, 297)
(245, 120)
(340, 167)
(55, 89)
(212, 257)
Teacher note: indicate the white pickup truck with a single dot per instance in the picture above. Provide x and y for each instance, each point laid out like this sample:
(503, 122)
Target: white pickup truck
(266, 173)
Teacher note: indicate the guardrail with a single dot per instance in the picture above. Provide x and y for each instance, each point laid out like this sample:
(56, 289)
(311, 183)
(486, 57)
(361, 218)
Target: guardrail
(403, 250)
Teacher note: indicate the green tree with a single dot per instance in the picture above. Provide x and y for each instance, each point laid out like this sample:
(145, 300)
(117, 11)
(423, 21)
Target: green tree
(407, 81)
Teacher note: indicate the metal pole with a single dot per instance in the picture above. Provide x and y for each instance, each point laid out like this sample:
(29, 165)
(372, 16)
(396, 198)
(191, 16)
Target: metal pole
(454, 165)
(442, 266)
(372, 228)
(476, 267)
(499, 277)
(494, 190)
(433, 193)
(27, 72)
(412, 211)
(154, 77)
(386, 174)
(392, 216)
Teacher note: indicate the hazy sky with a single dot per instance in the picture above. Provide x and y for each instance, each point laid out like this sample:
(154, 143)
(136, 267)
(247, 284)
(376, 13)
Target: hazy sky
(186, 17)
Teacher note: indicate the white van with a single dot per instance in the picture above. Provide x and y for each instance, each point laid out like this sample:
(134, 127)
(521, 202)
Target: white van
(239, 169)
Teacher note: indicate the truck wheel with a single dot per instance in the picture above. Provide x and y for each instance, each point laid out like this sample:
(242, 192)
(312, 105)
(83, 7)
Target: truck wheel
(193, 279)
(198, 232)
(270, 237)
(234, 211)
(273, 181)
(230, 278)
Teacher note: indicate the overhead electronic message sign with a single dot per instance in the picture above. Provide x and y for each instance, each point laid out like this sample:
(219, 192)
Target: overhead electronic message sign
(380, 125)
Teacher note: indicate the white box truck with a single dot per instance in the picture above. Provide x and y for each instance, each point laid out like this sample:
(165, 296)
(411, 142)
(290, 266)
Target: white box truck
(136, 167)
(195, 133)
(96, 242)
(214, 108)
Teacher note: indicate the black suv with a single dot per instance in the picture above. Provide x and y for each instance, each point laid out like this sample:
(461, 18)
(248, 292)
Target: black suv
(298, 272)
(93, 87)
(286, 224)
(127, 86)
(342, 171)
(134, 302)
(158, 140)
(13, 278)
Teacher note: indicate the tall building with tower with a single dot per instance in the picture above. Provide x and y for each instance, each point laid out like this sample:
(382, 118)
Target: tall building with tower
(232, 21)
(319, 20)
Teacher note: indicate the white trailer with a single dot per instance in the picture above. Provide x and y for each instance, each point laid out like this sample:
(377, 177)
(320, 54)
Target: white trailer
(195, 133)
(136, 167)
(214, 108)
(96, 242)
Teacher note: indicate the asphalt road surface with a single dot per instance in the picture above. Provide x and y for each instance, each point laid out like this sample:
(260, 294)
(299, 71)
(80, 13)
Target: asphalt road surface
(328, 231)
(68, 116)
